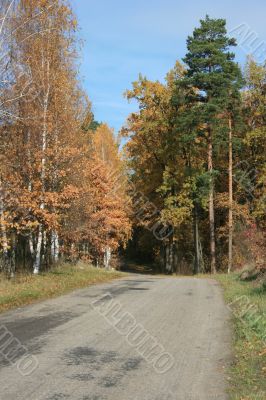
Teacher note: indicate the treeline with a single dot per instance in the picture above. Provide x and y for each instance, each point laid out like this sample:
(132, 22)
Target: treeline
(191, 180)
(59, 168)
(197, 149)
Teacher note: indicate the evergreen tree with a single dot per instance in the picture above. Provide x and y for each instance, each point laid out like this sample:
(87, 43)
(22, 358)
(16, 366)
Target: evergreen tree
(216, 79)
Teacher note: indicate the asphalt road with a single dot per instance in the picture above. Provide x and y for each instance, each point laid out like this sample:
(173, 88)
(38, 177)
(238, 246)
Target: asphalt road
(139, 338)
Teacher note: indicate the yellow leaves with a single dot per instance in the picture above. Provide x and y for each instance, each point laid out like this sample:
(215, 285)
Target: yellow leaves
(58, 174)
(203, 127)
(75, 23)
(263, 353)
(178, 208)
(256, 135)
(105, 146)
(175, 74)
(4, 245)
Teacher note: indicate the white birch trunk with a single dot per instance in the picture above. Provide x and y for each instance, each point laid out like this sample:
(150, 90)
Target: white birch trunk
(55, 246)
(31, 246)
(44, 240)
(2, 223)
(107, 257)
(37, 261)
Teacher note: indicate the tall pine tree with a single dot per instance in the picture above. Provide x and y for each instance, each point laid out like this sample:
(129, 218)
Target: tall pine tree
(216, 78)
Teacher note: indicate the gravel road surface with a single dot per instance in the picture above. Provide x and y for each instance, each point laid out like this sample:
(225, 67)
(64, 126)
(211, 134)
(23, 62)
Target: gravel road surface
(138, 338)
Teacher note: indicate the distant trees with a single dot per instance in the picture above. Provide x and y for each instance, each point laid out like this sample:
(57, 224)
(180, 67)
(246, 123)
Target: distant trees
(98, 222)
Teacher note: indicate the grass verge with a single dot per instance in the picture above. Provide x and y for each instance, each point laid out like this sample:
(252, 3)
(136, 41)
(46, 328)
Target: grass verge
(248, 371)
(27, 289)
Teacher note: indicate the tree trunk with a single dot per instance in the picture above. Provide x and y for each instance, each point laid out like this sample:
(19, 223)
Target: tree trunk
(31, 245)
(4, 240)
(107, 257)
(196, 241)
(169, 255)
(37, 261)
(12, 268)
(46, 81)
(55, 246)
(162, 257)
(211, 205)
(230, 217)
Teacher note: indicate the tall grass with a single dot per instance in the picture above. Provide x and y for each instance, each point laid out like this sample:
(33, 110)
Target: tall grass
(247, 301)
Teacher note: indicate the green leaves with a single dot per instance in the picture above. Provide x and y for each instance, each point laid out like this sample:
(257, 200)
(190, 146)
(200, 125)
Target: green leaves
(211, 69)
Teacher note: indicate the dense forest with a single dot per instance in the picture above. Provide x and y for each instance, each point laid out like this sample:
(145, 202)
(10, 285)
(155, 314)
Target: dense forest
(186, 193)
(197, 149)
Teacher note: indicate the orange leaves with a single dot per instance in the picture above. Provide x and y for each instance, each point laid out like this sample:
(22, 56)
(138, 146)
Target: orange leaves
(62, 182)
(42, 147)
(101, 217)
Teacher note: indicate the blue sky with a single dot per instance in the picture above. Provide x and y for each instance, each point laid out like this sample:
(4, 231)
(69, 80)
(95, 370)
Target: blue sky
(125, 37)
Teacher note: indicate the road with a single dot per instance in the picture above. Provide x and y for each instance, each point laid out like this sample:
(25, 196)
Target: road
(81, 346)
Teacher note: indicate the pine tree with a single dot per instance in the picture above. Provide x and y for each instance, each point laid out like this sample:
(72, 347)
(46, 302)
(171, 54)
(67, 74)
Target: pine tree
(214, 75)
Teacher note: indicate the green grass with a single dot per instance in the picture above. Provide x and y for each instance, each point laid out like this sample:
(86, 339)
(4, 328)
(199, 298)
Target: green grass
(248, 371)
(25, 289)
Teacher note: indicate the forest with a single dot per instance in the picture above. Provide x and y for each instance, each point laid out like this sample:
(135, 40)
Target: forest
(180, 188)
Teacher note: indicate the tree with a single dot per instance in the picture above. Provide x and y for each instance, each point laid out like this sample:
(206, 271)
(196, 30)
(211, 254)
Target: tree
(57, 162)
(252, 176)
(213, 73)
(254, 99)
(160, 155)
(98, 221)
(41, 143)
(116, 203)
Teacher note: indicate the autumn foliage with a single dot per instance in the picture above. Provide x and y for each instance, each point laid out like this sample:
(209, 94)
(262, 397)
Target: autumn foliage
(197, 149)
(190, 178)
(57, 177)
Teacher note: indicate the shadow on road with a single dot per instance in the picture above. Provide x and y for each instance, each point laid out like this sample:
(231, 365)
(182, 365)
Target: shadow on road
(138, 268)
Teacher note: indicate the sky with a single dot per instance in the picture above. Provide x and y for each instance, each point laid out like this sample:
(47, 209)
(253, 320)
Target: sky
(123, 38)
